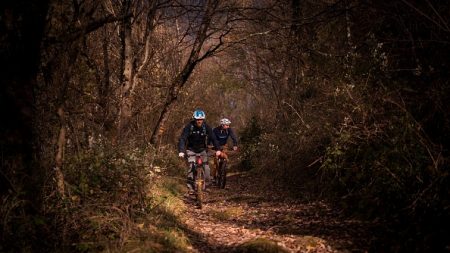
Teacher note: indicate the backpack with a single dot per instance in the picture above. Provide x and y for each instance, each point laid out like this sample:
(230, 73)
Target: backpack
(203, 127)
(203, 130)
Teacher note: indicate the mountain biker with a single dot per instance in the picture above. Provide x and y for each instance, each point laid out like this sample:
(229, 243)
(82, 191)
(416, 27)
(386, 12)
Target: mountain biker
(193, 140)
(222, 132)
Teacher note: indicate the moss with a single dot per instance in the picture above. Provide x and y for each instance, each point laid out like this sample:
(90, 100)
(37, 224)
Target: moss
(310, 243)
(176, 240)
(227, 213)
(169, 240)
(261, 245)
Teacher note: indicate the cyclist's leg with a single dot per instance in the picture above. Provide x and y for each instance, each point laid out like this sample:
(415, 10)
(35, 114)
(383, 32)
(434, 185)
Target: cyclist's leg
(224, 155)
(224, 152)
(212, 167)
(216, 166)
(204, 155)
(190, 174)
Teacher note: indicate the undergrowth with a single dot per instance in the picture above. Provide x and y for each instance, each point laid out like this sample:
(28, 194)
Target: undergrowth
(115, 200)
(260, 245)
(370, 157)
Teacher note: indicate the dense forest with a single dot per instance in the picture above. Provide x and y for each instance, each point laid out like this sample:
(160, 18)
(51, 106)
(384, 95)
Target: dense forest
(341, 101)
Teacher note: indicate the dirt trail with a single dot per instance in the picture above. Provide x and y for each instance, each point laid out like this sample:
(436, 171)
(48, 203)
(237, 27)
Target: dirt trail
(242, 212)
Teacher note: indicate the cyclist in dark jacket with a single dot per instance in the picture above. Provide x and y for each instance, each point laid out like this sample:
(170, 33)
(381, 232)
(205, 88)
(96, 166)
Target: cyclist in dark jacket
(193, 140)
(222, 132)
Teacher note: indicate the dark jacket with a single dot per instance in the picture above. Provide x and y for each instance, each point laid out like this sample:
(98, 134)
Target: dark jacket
(222, 135)
(195, 138)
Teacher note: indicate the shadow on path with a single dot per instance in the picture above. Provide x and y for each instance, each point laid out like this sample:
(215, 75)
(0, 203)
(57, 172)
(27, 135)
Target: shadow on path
(244, 211)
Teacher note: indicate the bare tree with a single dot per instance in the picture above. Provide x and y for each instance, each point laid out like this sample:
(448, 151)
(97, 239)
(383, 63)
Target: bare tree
(132, 63)
(207, 28)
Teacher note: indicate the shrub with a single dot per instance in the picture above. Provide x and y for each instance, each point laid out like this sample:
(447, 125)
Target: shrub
(250, 139)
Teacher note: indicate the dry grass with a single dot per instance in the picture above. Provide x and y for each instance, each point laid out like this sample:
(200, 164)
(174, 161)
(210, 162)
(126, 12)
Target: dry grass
(260, 245)
(227, 213)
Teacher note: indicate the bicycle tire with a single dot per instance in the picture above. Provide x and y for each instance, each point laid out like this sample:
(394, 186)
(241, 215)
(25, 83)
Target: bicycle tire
(199, 185)
(222, 178)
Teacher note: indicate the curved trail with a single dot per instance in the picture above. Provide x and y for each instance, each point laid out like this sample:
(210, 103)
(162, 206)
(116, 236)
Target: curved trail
(242, 212)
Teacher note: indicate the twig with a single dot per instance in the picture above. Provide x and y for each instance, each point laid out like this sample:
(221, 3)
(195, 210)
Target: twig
(426, 16)
(420, 132)
(414, 203)
(8, 181)
(298, 114)
(315, 161)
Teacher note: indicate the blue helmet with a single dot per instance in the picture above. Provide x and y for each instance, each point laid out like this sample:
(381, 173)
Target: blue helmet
(199, 114)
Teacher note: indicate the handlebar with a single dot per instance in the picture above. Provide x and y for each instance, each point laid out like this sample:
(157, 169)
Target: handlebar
(227, 150)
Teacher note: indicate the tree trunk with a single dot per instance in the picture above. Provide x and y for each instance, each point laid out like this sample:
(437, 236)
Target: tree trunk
(59, 159)
(130, 67)
(21, 30)
(177, 84)
(107, 123)
(181, 79)
(127, 77)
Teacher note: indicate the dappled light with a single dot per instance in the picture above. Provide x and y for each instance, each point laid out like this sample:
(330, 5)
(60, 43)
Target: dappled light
(243, 212)
(323, 125)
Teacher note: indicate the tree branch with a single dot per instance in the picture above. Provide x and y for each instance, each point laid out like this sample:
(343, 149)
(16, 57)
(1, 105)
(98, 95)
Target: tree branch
(86, 29)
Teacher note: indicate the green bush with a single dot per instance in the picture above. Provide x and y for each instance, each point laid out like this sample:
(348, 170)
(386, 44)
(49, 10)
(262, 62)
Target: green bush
(110, 193)
(387, 169)
(250, 138)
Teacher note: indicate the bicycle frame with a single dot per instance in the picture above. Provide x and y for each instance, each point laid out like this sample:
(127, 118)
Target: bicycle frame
(221, 169)
(220, 165)
(198, 170)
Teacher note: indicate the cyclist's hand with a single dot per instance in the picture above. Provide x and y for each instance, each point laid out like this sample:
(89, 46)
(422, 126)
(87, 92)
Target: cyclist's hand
(234, 148)
(218, 153)
(181, 154)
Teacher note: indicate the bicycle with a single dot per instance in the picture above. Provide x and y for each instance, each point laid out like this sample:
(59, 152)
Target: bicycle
(198, 171)
(222, 168)
(221, 172)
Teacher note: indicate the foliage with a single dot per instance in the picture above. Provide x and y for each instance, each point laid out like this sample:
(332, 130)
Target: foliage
(388, 169)
(250, 140)
(357, 113)
(114, 197)
(345, 99)
(19, 230)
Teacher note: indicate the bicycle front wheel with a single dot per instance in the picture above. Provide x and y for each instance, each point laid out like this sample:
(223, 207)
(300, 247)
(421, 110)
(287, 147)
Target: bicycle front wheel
(200, 184)
(222, 174)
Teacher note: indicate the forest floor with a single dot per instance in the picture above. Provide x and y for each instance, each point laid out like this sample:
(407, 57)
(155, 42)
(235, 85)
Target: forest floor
(244, 212)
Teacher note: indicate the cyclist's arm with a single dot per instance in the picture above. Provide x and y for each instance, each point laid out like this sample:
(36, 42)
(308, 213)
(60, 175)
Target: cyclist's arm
(233, 136)
(183, 139)
(213, 138)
